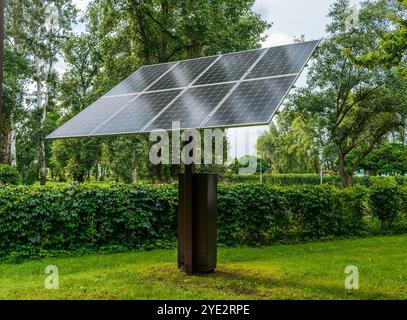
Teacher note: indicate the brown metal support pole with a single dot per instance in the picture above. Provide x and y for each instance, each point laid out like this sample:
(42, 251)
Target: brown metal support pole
(197, 225)
(188, 223)
(185, 222)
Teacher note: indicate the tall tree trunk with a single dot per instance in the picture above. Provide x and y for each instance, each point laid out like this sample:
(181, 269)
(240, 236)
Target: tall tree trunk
(162, 53)
(133, 169)
(134, 176)
(345, 177)
(5, 148)
(43, 108)
(157, 173)
(1, 63)
(78, 175)
(13, 147)
(43, 167)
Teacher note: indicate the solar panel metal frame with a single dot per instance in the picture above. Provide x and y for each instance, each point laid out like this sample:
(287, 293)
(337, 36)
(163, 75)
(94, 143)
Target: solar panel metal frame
(192, 85)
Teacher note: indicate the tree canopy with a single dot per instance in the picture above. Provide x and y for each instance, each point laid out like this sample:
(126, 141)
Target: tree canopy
(352, 107)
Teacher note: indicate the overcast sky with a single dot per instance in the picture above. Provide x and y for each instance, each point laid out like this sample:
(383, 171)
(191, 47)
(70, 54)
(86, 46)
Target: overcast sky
(290, 18)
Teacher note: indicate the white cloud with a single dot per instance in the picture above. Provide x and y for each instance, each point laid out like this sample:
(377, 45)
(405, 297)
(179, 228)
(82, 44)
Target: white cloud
(277, 38)
(266, 8)
(81, 4)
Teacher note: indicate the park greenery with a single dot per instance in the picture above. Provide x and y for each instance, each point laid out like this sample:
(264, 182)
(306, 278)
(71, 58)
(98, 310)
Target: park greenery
(80, 218)
(301, 271)
(350, 117)
(332, 166)
(345, 115)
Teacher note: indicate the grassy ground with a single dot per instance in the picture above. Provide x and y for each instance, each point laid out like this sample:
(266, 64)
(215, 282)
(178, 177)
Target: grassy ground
(304, 271)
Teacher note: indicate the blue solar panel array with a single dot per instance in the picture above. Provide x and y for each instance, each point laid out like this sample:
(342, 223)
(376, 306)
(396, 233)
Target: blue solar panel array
(237, 89)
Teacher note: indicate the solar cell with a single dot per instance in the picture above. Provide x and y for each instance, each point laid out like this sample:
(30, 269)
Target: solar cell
(141, 79)
(243, 88)
(192, 107)
(85, 122)
(137, 113)
(252, 102)
(230, 67)
(288, 59)
(183, 74)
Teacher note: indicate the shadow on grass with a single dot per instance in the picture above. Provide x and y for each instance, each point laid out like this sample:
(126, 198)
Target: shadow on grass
(235, 283)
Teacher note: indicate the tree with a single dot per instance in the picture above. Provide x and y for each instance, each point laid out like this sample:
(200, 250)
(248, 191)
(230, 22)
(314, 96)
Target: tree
(39, 27)
(392, 48)
(245, 161)
(77, 157)
(387, 159)
(356, 106)
(2, 23)
(293, 144)
(133, 33)
(126, 161)
(16, 72)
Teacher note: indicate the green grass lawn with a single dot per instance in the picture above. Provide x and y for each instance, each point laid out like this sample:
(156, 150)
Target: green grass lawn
(302, 271)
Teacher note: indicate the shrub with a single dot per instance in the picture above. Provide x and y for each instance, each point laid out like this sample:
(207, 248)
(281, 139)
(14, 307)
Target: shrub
(353, 205)
(255, 213)
(385, 202)
(252, 214)
(37, 221)
(310, 179)
(34, 219)
(9, 175)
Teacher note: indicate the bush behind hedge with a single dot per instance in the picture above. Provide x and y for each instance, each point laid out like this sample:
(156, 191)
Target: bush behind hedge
(40, 220)
(9, 175)
(312, 179)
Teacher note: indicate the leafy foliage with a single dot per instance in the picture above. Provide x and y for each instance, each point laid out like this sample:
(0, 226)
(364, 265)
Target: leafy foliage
(292, 144)
(386, 203)
(392, 49)
(355, 106)
(9, 175)
(388, 159)
(311, 179)
(35, 221)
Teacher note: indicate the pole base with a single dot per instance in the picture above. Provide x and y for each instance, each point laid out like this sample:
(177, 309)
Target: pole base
(197, 223)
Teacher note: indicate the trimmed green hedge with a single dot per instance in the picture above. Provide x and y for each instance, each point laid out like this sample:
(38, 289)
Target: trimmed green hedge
(37, 221)
(311, 179)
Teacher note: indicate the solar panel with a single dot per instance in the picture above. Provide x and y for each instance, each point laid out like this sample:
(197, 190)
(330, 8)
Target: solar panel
(192, 107)
(230, 67)
(137, 113)
(183, 74)
(90, 118)
(237, 89)
(288, 59)
(141, 79)
(252, 102)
